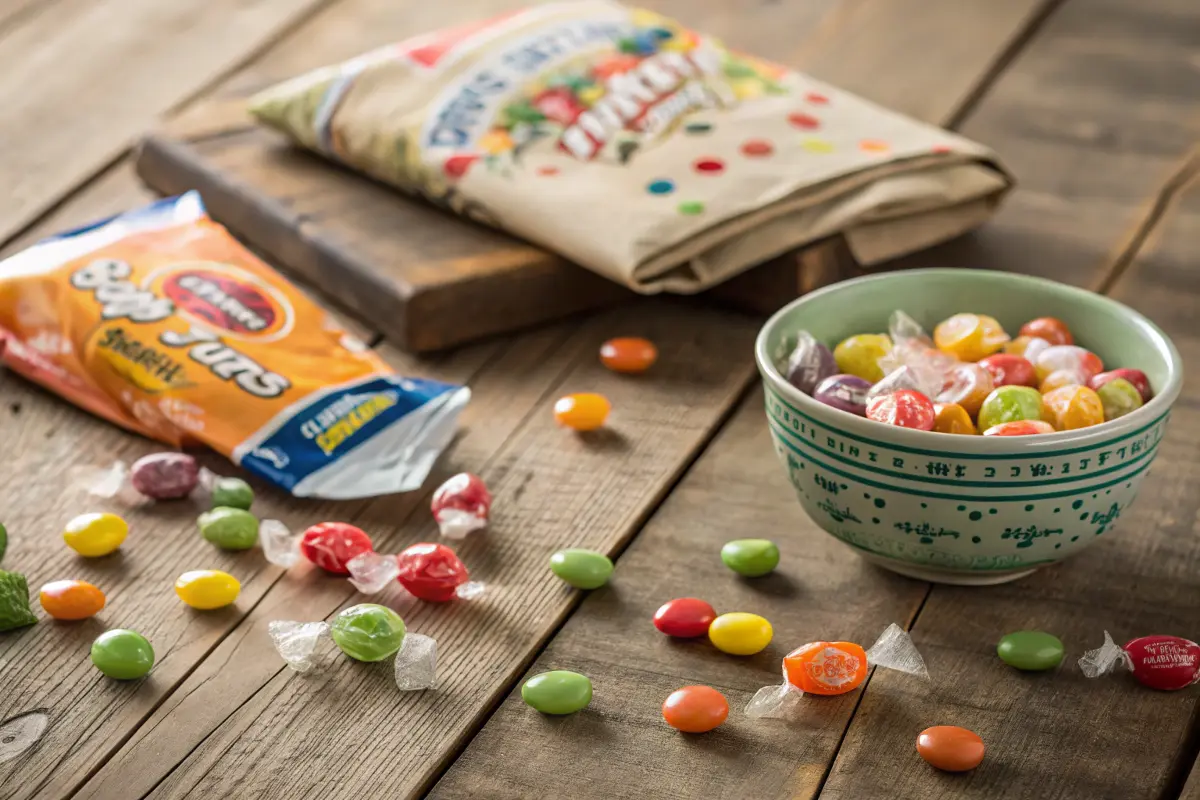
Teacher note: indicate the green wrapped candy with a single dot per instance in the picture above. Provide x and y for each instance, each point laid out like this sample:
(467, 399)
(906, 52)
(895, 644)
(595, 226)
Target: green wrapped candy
(368, 632)
(1010, 404)
(14, 601)
(583, 569)
(232, 493)
(557, 692)
(750, 558)
(122, 654)
(229, 528)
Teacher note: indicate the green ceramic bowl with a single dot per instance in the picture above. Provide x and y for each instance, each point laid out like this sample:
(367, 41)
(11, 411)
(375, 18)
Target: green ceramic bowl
(964, 509)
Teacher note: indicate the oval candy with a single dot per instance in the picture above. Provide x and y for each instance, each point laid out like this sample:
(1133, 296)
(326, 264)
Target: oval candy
(121, 654)
(71, 600)
(740, 634)
(950, 748)
(583, 569)
(559, 691)
(1031, 651)
(368, 632)
(684, 617)
(750, 558)
(207, 589)
(1164, 662)
(695, 709)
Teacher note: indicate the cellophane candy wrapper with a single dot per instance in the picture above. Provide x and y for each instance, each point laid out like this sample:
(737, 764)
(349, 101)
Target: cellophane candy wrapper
(158, 476)
(648, 152)
(809, 363)
(161, 322)
(371, 573)
(1160, 662)
(461, 505)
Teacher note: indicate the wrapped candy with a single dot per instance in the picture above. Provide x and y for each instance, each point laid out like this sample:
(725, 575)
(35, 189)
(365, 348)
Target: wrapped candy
(810, 363)
(831, 668)
(1160, 662)
(431, 572)
(461, 505)
(917, 377)
(167, 475)
(365, 632)
(329, 545)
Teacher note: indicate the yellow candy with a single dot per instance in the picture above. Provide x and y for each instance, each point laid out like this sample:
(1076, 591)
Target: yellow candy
(207, 589)
(969, 337)
(95, 535)
(952, 418)
(859, 355)
(1073, 407)
(740, 634)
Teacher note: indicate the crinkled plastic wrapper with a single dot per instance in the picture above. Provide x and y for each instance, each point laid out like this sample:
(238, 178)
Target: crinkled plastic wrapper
(160, 321)
(645, 151)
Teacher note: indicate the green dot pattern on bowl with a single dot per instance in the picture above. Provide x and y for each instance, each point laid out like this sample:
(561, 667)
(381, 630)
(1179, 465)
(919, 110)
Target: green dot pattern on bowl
(368, 632)
(557, 692)
(750, 558)
(232, 493)
(583, 569)
(229, 528)
(1031, 651)
(123, 655)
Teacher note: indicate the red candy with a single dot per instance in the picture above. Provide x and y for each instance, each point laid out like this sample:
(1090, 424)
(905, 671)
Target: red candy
(330, 545)
(684, 617)
(905, 408)
(1010, 370)
(431, 571)
(1164, 662)
(1134, 376)
(461, 505)
(1020, 427)
(1054, 331)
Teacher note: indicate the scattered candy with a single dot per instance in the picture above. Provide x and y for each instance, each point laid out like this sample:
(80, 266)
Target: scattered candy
(368, 632)
(950, 748)
(207, 589)
(1031, 651)
(750, 558)
(1053, 330)
(1160, 662)
(95, 535)
(628, 354)
(431, 572)
(582, 412)
(969, 337)
(830, 668)
(71, 600)
(229, 528)
(684, 617)
(232, 493)
(952, 418)
(1134, 376)
(330, 545)
(461, 505)
(1119, 397)
(559, 691)
(859, 355)
(122, 654)
(583, 569)
(1022, 427)
(1007, 369)
(165, 476)
(905, 409)
(14, 602)
(695, 709)
(810, 363)
(1011, 404)
(740, 634)
(1073, 407)
(844, 392)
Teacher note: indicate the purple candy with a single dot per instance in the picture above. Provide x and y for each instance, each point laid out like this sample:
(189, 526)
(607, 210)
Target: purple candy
(810, 363)
(165, 476)
(844, 392)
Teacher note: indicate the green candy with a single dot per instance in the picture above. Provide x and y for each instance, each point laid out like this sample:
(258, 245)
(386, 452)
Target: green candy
(751, 558)
(1010, 404)
(232, 493)
(583, 569)
(1119, 397)
(558, 692)
(122, 654)
(14, 601)
(1032, 651)
(229, 528)
(368, 632)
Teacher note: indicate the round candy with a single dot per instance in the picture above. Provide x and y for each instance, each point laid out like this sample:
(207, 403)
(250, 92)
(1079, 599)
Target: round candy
(583, 569)
(582, 412)
(232, 493)
(810, 363)
(740, 634)
(630, 355)
(229, 528)
(207, 589)
(1007, 369)
(684, 617)
(1032, 651)
(431, 571)
(1062, 377)
(1010, 404)
(750, 558)
(952, 418)
(695, 709)
(165, 476)
(844, 392)
(1073, 407)
(94, 535)
(950, 748)
(557, 692)
(1164, 662)
(1067, 356)
(460, 505)
(122, 654)
(71, 600)
(1022, 427)
(1053, 330)
(859, 355)
(1028, 347)
(905, 409)
(1119, 397)
(968, 385)
(1134, 376)
(826, 667)
(368, 632)
(969, 337)
(331, 545)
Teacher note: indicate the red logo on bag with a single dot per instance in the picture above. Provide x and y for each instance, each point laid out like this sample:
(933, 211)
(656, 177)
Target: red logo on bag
(222, 301)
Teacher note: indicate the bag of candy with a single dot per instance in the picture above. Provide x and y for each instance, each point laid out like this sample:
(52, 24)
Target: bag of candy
(160, 321)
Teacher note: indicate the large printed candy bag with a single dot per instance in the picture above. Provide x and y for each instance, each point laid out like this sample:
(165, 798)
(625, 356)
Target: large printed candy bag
(636, 147)
(160, 321)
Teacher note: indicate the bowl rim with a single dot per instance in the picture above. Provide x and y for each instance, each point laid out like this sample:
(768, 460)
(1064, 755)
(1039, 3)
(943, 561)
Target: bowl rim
(924, 441)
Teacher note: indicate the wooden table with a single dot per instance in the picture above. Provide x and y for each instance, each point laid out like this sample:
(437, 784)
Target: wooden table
(1095, 105)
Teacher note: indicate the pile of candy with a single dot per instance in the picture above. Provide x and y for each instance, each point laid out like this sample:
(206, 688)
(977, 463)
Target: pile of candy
(969, 377)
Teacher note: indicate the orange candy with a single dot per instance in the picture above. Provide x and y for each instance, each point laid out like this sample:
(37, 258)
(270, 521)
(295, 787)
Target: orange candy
(952, 418)
(1073, 407)
(1062, 377)
(950, 748)
(628, 354)
(968, 385)
(582, 412)
(826, 667)
(71, 600)
(695, 709)
(1053, 330)
(1020, 427)
(969, 337)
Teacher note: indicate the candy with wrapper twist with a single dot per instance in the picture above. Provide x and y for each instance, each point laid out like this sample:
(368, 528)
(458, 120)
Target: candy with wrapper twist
(809, 363)
(431, 572)
(168, 475)
(461, 505)
(1160, 662)
(329, 545)
(831, 668)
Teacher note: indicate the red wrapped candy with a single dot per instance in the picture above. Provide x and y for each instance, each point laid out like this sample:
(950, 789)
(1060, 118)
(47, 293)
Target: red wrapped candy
(431, 571)
(461, 505)
(1160, 662)
(330, 545)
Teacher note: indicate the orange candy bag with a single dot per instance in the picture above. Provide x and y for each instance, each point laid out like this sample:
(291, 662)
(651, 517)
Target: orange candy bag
(160, 321)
